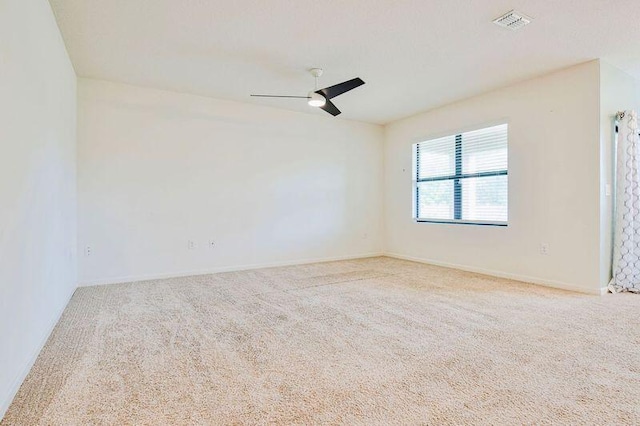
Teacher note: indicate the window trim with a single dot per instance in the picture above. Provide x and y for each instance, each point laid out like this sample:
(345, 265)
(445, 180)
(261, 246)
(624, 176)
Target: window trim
(456, 178)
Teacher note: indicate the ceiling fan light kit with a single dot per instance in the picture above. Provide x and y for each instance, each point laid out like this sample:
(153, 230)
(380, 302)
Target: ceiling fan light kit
(320, 98)
(316, 99)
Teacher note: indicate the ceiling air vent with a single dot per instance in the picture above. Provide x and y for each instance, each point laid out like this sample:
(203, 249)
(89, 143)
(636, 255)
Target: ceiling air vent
(512, 20)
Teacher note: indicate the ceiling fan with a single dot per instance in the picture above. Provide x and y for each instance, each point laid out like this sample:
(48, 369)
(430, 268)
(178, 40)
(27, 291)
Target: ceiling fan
(321, 98)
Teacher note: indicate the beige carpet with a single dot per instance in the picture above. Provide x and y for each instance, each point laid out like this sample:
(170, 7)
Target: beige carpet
(365, 342)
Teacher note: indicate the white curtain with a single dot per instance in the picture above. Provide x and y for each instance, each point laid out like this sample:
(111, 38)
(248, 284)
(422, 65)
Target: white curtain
(626, 237)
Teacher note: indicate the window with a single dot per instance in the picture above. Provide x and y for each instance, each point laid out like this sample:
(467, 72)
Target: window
(462, 178)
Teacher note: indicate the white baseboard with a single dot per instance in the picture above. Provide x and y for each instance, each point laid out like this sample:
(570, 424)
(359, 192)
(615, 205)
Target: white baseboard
(147, 277)
(501, 274)
(6, 400)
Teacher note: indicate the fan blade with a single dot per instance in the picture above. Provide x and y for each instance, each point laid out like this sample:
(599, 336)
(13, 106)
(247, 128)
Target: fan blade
(280, 96)
(333, 91)
(330, 108)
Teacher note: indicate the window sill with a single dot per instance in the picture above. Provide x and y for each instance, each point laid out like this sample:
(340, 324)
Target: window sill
(461, 222)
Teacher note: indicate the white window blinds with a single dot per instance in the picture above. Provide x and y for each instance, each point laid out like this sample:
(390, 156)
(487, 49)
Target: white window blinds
(463, 178)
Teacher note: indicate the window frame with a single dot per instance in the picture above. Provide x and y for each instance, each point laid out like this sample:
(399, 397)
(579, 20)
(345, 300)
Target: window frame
(457, 177)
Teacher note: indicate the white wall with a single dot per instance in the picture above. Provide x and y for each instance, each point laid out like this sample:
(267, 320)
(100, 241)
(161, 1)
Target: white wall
(553, 183)
(37, 185)
(157, 169)
(618, 92)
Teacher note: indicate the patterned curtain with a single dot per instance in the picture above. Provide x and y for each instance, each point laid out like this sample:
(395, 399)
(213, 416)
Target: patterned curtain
(626, 239)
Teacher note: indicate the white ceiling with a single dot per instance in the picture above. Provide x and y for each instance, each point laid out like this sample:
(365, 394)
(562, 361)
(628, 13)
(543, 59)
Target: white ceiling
(413, 55)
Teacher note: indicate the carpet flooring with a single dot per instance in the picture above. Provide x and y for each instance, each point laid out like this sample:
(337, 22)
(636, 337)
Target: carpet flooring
(374, 341)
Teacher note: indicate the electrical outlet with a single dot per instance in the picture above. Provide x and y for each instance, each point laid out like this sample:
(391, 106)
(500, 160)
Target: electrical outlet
(544, 249)
(87, 251)
(191, 245)
(212, 244)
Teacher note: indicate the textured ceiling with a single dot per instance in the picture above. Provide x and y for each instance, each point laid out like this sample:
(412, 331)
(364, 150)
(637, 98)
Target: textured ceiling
(414, 55)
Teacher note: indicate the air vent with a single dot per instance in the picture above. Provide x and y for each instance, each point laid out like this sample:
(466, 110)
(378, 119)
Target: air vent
(512, 20)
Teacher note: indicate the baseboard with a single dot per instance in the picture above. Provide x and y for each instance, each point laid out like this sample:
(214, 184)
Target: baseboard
(501, 274)
(13, 390)
(147, 277)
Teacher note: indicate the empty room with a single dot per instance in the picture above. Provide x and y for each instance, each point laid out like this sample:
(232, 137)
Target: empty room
(319, 212)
